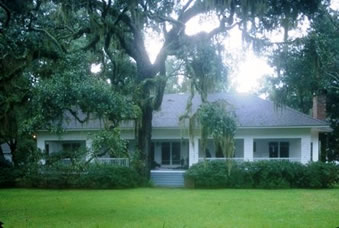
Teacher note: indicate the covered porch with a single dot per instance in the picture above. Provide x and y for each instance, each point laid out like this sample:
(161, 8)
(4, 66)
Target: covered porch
(261, 149)
(181, 154)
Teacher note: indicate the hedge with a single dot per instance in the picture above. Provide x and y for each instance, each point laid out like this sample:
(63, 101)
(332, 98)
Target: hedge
(262, 174)
(95, 176)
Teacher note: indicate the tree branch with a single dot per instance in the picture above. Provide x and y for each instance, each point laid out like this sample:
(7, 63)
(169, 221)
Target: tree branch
(126, 46)
(92, 44)
(75, 115)
(49, 36)
(8, 13)
(186, 6)
(82, 31)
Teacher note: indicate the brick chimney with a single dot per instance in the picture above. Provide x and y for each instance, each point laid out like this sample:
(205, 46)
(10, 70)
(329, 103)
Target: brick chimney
(319, 107)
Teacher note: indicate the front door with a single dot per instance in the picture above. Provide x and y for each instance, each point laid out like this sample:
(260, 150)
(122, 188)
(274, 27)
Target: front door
(170, 153)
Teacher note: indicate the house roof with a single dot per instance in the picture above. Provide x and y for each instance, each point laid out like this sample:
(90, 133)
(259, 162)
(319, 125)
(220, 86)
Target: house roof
(250, 111)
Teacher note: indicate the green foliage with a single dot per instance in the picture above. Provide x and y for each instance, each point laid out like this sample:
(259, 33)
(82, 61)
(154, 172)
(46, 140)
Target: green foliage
(75, 158)
(77, 171)
(39, 37)
(263, 174)
(206, 76)
(217, 121)
(109, 142)
(108, 176)
(9, 176)
(308, 67)
(97, 176)
(322, 175)
(74, 93)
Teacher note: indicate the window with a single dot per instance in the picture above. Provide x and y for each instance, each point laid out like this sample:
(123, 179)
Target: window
(176, 153)
(254, 146)
(71, 146)
(284, 149)
(47, 148)
(278, 149)
(273, 149)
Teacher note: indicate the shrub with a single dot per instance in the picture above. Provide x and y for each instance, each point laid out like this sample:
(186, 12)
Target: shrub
(322, 175)
(214, 174)
(51, 176)
(108, 176)
(99, 176)
(8, 176)
(262, 174)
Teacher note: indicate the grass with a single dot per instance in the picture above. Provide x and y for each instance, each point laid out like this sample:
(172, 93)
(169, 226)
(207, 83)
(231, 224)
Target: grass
(151, 207)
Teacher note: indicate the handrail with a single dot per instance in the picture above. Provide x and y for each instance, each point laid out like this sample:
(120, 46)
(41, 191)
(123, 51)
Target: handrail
(113, 161)
(254, 159)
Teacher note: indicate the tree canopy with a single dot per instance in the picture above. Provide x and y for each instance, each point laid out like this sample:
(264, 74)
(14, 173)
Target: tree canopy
(309, 67)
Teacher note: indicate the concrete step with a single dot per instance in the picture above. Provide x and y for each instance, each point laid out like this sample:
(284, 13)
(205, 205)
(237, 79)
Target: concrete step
(167, 178)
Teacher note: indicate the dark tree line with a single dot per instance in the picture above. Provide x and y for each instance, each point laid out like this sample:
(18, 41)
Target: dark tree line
(309, 67)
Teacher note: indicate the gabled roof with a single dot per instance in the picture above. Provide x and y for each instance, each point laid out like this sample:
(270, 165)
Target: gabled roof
(250, 111)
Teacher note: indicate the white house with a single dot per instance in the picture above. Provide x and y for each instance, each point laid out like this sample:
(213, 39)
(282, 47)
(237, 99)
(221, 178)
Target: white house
(264, 132)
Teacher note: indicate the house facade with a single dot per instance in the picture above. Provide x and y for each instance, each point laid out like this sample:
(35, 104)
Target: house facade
(264, 132)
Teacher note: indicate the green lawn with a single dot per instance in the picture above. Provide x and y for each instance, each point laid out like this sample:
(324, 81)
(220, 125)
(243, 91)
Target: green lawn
(149, 207)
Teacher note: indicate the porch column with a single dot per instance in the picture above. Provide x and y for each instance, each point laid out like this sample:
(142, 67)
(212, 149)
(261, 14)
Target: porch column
(248, 149)
(315, 144)
(305, 149)
(193, 151)
(88, 147)
(40, 143)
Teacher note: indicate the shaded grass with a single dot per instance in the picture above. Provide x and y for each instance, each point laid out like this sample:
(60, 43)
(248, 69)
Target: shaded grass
(151, 207)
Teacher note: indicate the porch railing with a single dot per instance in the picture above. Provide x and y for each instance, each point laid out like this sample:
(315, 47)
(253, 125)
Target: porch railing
(113, 161)
(221, 159)
(254, 159)
(278, 159)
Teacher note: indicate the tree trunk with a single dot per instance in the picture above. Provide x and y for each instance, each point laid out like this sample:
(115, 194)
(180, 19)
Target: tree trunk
(2, 156)
(144, 139)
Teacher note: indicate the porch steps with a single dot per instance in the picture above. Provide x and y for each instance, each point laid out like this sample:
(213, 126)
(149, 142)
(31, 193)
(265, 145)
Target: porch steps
(168, 178)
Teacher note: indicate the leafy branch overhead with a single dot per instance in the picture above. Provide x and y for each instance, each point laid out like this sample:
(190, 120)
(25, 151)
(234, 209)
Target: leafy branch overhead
(84, 98)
